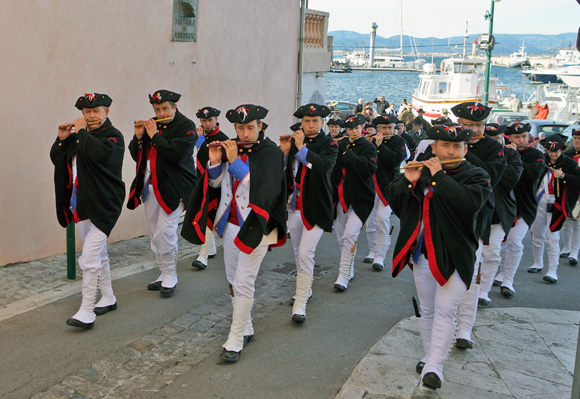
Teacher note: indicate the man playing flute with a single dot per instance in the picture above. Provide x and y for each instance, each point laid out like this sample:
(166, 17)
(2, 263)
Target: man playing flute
(165, 180)
(88, 159)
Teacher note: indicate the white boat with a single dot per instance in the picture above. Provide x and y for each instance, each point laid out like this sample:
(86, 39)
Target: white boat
(460, 80)
(570, 76)
(565, 58)
(519, 59)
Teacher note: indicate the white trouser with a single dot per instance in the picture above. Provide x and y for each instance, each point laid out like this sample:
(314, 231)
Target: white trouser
(490, 259)
(513, 252)
(162, 226)
(304, 242)
(94, 258)
(542, 236)
(439, 306)
(371, 228)
(571, 237)
(468, 307)
(347, 226)
(383, 238)
(241, 268)
(207, 248)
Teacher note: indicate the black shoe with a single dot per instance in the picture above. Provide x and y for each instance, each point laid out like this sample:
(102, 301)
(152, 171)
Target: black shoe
(534, 269)
(248, 339)
(167, 292)
(432, 380)
(378, 267)
(573, 261)
(339, 287)
(79, 324)
(154, 286)
(419, 367)
(298, 318)
(211, 256)
(550, 279)
(229, 356)
(505, 291)
(463, 343)
(483, 302)
(105, 309)
(198, 264)
(497, 283)
(564, 254)
(368, 260)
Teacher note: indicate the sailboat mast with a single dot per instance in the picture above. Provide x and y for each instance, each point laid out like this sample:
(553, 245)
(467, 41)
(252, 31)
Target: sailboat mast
(401, 38)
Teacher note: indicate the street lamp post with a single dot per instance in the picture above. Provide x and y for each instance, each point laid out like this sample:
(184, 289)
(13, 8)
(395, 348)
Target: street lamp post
(489, 16)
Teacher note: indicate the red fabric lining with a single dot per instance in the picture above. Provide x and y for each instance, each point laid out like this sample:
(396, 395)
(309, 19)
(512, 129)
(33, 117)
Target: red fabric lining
(429, 241)
(379, 193)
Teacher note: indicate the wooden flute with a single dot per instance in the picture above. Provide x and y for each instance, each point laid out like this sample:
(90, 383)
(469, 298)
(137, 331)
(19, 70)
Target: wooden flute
(442, 163)
(156, 120)
(219, 143)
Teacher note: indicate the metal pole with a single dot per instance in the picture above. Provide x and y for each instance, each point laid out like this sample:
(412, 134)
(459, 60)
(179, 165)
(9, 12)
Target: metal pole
(71, 261)
(488, 63)
(301, 53)
(576, 377)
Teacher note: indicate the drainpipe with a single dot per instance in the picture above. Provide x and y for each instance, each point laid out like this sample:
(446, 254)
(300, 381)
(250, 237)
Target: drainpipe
(300, 53)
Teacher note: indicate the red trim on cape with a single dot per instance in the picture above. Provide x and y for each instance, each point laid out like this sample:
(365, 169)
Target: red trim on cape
(429, 242)
(153, 157)
(299, 199)
(379, 193)
(260, 211)
(562, 209)
(399, 259)
(341, 192)
(197, 217)
(242, 247)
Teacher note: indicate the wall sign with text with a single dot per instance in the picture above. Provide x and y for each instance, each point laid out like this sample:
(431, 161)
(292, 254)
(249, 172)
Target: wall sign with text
(185, 20)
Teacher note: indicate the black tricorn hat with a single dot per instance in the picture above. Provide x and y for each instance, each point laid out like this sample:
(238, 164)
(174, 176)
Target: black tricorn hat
(450, 132)
(246, 113)
(494, 129)
(312, 110)
(472, 111)
(353, 121)
(334, 121)
(575, 132)
(384, 120)
(207, 112)
(554, 142)
(160, 96)
(93, 100)
(437, 121)
(518, 128)
(296, 126)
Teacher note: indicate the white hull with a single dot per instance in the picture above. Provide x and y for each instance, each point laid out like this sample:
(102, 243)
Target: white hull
(571, 78)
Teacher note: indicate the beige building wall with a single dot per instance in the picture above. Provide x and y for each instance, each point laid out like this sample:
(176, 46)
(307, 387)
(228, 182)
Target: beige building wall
(55, 50)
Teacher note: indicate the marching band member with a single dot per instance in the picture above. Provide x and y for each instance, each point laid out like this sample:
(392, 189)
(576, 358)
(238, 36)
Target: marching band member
(485, 153)
(311, 155)
(163, 152)
(438, 203)
(391, 151)
(88, 159)
(525, 191)
(504, 212)
(247, 186)
(334, 129)
(571, 228)
(558, 193)
(353, 193)
(208, 132)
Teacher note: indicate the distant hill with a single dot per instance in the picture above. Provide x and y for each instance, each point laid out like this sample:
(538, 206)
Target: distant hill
(505, 43)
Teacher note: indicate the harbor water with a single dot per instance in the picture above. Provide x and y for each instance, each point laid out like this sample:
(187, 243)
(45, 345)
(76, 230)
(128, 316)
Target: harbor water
(398, 85)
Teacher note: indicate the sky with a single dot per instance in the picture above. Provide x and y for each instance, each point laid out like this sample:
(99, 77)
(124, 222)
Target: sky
(445, 18)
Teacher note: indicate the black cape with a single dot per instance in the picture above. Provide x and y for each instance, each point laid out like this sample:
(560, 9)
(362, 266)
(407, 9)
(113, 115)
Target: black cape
(352, 176)
(173, 174)
(267, 200)
(101, 190)
(390, 153)
(525, 191)
(505, 200)
(566, 190)
(203, 150)
(314, 183)
(487, 154)
(448, 217)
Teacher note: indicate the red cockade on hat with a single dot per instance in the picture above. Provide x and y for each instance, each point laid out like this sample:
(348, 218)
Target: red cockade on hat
(90, 96)
(312, 109)
(451, 129)
(472, 108)
(206, 111)
(553, 145)
(157, 96)
(350, 119)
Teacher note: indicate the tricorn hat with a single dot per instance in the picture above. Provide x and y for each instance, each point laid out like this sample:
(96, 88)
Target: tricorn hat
(246, 113)
(473, 111)
(93, 100)
(207, 112)
(450, 132)
(160, 96)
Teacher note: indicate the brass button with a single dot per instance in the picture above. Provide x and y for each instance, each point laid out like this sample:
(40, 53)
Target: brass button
(78, 141)
(250, 150)
(242, 208)
(237, 196)
(244, 197)
(240, 150)
(194, 223)
(433, 183)
(410, 186)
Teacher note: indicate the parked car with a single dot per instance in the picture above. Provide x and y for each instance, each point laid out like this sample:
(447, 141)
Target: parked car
(508, 117)
(344, 108)
(568, 131)
(546, 127)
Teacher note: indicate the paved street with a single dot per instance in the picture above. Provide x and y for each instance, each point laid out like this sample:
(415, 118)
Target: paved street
(168, 348)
